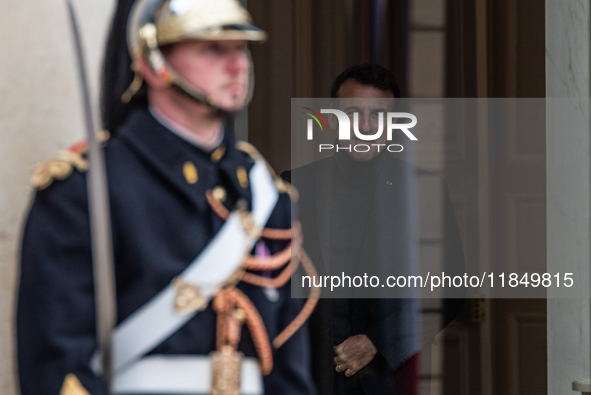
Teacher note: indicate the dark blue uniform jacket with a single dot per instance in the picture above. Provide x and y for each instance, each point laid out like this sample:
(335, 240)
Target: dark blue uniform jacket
(160, 223)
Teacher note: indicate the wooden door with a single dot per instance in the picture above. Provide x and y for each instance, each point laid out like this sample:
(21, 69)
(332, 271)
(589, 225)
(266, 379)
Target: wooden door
(496, 49)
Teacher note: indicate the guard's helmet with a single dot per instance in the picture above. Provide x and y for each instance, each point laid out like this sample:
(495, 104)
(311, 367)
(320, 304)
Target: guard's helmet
(156, 23)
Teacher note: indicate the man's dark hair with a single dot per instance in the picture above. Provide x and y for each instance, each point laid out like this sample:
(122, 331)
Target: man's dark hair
(367, 74)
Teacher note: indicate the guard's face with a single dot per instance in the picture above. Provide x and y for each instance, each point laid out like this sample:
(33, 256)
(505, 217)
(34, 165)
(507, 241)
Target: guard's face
(368, 101)
(220, 69)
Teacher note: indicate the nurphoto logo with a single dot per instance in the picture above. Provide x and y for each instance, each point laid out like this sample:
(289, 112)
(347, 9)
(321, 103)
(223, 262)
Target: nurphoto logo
(344, 120)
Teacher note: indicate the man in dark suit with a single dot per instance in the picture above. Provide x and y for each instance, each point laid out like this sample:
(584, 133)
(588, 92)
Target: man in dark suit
(360, 213)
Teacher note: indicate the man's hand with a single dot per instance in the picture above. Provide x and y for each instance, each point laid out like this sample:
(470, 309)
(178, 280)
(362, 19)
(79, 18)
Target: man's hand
(353, 354)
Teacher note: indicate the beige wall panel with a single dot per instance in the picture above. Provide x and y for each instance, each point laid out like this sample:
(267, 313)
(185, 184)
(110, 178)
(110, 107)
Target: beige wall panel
(40, 113)
(428, 13)
(426, 63)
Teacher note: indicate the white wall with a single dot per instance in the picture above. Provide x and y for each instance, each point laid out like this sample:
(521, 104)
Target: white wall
(568, 185)
(40, 114)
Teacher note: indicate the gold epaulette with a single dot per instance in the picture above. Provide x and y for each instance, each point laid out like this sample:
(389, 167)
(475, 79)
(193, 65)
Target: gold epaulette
(72, 386)
(249, 149)
(58, 168)
(281, 185)
(62, 166)
(285, 187)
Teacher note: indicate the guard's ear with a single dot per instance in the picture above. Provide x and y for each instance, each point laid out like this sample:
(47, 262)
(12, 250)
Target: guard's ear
(151, 78)
(72, 386)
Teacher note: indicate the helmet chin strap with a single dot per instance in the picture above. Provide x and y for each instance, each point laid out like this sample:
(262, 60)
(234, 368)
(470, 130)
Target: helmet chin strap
(169, 76)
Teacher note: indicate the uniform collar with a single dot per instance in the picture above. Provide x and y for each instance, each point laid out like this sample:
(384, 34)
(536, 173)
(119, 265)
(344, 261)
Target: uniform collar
(184, 133)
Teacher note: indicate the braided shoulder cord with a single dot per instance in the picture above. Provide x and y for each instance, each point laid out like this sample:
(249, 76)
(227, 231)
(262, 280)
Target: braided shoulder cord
(234, 308)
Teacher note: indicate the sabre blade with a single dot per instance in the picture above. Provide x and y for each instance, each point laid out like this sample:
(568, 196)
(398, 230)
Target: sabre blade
(100, 226)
